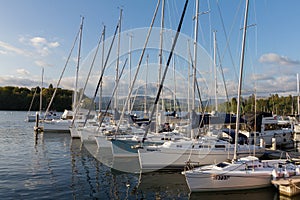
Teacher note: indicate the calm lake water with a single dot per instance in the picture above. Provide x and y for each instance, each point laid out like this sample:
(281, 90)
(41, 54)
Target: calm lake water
(55, 166)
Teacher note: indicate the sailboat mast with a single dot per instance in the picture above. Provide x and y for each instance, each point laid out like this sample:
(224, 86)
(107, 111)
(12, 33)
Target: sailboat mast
(41, 91)
(165, 70)
(189, 79)
(64, 69)
(195, 62)
(162, 24)
(77, 67)
(215, 70)
(139, 65)
(298, 106)
(129, 59)
(102, 64)
(118, 59)
(240, 80)
(174, 77)
(145, 97)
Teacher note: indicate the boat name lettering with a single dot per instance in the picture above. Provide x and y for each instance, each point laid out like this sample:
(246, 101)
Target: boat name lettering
(220, 177)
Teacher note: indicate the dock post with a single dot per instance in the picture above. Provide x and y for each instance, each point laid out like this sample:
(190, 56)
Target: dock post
(37, 128)
(37, 116)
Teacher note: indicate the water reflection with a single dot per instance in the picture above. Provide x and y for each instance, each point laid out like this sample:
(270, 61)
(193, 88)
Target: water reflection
(161, 185)
(124, 175)
(71, 167)
(263, 193)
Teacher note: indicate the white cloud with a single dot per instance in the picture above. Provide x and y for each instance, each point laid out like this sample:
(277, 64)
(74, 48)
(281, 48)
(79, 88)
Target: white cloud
(22, 72)
(38, 41)
(41, 63)
(273, 58)
(261, 77)
(17, 81)
(41, 44)
(10, 48)
(54, 44)
(3, 52)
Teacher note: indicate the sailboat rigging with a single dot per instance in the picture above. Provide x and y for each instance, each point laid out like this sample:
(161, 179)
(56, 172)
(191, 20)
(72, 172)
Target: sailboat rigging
(247, 172)
(102, 71)
(62, 125)
(69, 56)
(242, 58)
(166, 70)
(139, 65)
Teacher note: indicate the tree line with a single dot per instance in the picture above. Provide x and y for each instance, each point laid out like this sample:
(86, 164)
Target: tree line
(279, 105)
(20, 98)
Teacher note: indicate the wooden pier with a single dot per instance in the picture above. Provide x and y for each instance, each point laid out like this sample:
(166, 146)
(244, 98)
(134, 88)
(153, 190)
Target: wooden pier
(288, 186)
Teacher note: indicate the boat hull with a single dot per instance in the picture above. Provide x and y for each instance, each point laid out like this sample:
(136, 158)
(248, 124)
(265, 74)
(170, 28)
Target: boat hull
(129, 148)
(228, 181)
(164, 158)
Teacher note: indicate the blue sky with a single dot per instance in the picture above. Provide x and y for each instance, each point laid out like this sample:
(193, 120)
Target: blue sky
(36, 33)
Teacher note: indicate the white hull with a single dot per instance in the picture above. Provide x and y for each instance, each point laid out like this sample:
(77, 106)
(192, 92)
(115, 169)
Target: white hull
(31, 118)
(229, 181)
(249, 173)
(88, 133)
(74, 132)
(103, 141)
(177, 156)
(128, 145)
(57, 126)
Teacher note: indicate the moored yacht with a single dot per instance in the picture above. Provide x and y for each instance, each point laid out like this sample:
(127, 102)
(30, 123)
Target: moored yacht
(269, 130)
(245, 173)
(202, 151)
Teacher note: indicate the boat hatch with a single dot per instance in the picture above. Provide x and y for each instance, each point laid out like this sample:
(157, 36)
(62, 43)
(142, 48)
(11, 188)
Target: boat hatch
(222, 165)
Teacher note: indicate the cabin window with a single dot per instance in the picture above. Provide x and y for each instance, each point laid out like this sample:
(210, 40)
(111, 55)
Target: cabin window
(271, 127)
(204, 146)
(222, 165)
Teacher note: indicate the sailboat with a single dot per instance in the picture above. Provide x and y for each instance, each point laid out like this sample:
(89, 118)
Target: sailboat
(129, 148)
(49, 116)
(245, 173)
(63, 124)
(202, 151)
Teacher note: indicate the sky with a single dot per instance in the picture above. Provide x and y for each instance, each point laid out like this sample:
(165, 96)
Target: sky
(38, 34)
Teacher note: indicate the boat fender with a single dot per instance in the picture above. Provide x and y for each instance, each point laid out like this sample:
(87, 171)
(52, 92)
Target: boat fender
(275, 174)
(297, 170)
(286, 173)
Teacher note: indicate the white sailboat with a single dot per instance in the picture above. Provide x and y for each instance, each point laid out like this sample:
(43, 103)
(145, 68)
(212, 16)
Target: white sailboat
(245, 173)
(31, 117)
(63, 124)
(128, 148)
(202, 151)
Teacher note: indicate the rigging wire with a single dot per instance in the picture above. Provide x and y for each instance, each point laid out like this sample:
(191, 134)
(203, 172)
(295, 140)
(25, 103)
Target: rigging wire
(102, 72)
(88, 76)
(228, 38)
(68, 59)
(166, 69)
(139, 63)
